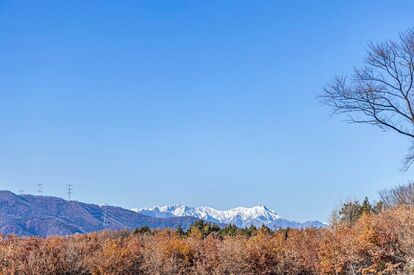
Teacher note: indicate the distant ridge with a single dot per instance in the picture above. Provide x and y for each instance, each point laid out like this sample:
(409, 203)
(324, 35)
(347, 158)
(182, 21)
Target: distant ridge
(29, 215)
(240, 216)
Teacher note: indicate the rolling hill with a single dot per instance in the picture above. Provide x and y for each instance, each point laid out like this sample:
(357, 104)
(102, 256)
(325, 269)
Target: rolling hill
(28, 215)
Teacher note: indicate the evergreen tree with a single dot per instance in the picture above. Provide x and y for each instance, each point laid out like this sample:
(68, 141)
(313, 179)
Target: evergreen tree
(229, 230)
(250, 231)
(350, 212)
(180, 232)
(142, 230)
(205, 228)
(286, 233)
(366, 207)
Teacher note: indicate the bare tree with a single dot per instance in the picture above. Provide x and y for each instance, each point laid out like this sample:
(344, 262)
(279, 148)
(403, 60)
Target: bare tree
(400, 195)
(380, 92)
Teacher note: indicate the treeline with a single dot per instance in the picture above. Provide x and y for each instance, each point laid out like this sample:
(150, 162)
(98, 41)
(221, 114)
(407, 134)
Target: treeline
(206, 228)
(377, 240)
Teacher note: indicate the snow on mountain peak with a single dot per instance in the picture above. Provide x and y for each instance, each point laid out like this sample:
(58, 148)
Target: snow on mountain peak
(239, 216)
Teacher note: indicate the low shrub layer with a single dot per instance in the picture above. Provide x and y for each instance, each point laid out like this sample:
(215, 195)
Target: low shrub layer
(380, 243)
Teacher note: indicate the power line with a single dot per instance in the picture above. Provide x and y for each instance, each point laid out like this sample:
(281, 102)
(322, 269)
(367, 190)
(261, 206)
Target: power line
(105, 214)
(40, 189)
(69, 190)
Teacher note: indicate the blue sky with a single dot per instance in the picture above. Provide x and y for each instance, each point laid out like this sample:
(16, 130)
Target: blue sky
(140, 103)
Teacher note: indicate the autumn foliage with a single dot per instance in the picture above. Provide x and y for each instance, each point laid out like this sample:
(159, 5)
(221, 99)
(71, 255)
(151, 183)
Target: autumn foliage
(380, 243)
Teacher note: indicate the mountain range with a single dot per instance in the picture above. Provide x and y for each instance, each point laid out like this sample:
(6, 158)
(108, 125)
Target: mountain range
(30, 215)
(239, 216)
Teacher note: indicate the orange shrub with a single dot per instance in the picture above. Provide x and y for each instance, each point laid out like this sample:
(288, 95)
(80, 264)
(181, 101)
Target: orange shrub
(376, 244)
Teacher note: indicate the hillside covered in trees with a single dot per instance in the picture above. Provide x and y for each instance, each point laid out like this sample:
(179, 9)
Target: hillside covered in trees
(362, 239)
(28, 215)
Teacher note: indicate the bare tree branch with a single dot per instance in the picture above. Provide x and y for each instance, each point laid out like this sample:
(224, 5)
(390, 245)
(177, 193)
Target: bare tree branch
(380, 92)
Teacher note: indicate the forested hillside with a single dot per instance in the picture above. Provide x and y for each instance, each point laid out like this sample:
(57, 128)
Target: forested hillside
(28, 215)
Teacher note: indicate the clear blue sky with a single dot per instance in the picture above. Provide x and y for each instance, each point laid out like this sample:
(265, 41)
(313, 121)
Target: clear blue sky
(139, 103)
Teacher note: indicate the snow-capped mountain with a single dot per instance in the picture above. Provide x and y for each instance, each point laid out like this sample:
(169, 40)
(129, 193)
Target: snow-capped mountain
(239, 216)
